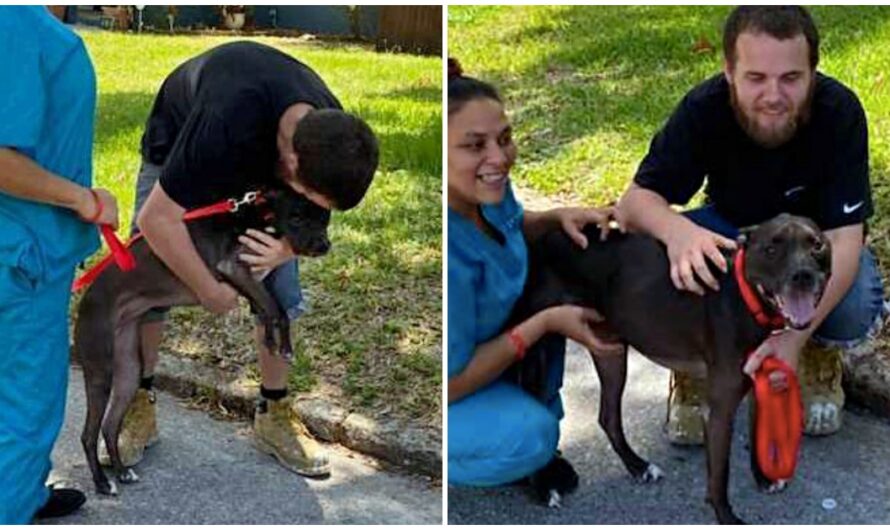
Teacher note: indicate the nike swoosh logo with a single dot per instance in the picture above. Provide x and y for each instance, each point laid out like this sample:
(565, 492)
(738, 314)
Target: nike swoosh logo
(851, 209)
(792, 191)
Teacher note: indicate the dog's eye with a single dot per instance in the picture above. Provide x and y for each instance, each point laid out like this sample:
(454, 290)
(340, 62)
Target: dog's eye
(770, 251)
(818, 244)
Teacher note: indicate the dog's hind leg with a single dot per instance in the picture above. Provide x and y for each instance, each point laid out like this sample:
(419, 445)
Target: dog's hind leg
(612, 372)
(125, 384)
(98, 388)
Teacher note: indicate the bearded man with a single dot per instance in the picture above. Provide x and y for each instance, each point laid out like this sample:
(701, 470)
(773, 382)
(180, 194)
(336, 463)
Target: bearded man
(770, 134)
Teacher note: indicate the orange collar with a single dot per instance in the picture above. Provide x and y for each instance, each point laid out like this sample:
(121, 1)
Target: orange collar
(750, 297)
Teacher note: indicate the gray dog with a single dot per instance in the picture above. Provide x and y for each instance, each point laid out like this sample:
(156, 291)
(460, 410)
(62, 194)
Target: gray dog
(106, 336)
(787, 263)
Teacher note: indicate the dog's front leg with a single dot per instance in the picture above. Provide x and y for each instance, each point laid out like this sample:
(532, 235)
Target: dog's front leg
(727, 386)
(273, 318)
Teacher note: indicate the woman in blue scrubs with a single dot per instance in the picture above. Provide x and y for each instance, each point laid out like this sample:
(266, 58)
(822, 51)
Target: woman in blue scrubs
(497, 433)
(47, 212)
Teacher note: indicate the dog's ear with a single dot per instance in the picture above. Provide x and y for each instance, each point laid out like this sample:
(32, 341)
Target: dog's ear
(745, 235)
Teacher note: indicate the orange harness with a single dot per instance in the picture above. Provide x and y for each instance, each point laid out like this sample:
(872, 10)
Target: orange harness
(779, 413)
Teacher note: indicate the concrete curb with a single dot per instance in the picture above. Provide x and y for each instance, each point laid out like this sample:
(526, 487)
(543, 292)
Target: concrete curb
(405, 446)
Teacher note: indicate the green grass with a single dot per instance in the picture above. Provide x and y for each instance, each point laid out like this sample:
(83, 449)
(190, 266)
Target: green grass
(373, 335)
(587, 87)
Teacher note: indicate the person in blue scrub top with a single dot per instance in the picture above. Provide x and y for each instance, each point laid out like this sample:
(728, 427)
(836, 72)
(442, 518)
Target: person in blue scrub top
(498, 433)
(47, 213)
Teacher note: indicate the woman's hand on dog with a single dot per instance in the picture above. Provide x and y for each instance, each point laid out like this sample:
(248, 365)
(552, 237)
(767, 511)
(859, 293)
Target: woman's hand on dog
(573, 221)
(268, 253)
(583, 325)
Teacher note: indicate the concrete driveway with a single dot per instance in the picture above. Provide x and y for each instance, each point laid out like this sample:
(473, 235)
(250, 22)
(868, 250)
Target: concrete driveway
(848, 470)
(207, 471)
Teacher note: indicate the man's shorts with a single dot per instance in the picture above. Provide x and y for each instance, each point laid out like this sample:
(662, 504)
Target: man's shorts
(283, 282)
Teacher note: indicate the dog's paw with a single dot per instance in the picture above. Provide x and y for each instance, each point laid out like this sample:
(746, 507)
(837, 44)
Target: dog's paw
(555, 500)
(776, 487)
(128, 476)
(106, 488)
(652, 474)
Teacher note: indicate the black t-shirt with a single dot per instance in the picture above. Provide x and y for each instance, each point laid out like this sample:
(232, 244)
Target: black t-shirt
(215, 120)
(821, 173)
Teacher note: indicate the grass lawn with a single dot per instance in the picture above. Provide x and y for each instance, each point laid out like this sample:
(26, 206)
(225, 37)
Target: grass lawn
(373, 335)
(587, 87)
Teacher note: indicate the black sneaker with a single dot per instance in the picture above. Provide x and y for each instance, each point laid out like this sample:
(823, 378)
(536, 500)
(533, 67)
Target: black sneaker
(61, 502)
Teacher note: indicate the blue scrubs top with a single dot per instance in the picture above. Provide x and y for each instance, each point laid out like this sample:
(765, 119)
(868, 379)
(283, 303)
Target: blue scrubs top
(485, 278)
(47, 108)
(47, 104)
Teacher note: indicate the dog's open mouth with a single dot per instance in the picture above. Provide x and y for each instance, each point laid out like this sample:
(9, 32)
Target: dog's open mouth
(797, 307)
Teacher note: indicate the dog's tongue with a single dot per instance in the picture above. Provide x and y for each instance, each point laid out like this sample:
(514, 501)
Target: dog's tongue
(799, 308)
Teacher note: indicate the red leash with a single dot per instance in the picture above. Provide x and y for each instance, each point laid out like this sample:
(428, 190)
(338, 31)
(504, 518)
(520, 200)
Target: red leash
(121, 255)
(779, 419)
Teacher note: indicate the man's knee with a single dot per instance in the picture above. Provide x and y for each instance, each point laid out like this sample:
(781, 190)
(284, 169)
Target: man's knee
(861, 312)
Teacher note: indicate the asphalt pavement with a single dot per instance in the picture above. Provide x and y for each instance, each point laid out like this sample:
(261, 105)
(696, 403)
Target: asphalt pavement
(207, 471)
(840, 479)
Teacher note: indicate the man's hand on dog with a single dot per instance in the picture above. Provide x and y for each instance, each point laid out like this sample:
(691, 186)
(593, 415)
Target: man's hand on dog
(267, 252)
(785, 345)
(220, 299)
(573, 220)
(688, 247)
(585, 326)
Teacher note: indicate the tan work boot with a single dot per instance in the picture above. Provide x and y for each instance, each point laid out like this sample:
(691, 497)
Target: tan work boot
(139, 430)
(279, 432)
(685, 421)
(820, 371)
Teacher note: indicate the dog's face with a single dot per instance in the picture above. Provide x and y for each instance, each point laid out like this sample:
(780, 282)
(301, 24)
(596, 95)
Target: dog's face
(788, 261)
(303, 223)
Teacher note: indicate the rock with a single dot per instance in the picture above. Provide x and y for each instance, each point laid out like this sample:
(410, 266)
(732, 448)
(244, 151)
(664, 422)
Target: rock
(867, 380)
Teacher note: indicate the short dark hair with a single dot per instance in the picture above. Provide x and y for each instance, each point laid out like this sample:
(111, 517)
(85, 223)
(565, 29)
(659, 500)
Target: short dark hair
(780, 22)
(337, 155)
(463, 89)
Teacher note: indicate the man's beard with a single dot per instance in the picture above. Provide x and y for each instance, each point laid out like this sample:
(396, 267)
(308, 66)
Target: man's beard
(771, 138)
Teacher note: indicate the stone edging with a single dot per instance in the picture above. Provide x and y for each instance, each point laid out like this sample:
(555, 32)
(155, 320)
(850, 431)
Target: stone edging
(405, 446)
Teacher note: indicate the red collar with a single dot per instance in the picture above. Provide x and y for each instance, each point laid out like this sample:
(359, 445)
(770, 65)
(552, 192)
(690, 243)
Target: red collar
(750, 297)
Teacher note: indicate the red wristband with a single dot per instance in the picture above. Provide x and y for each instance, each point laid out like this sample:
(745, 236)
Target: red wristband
(99, 207)
(518, 343)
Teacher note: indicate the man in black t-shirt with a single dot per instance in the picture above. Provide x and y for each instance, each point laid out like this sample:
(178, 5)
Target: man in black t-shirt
(226, 122)
(770, 135)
